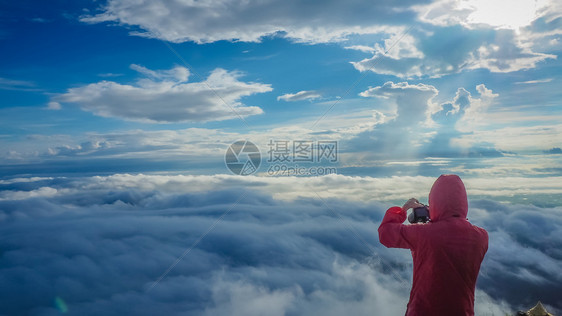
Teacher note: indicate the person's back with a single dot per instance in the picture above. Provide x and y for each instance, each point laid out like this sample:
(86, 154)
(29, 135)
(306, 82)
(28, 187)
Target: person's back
(447, 251)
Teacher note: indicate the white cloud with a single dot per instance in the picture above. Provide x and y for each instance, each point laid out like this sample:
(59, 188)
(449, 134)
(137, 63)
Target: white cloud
(18, 85)
(400, 45)
(349, 188)
(4, 83)
(479, 123)
(450, 50)
(545, 30)
(535, 81)
(505, 54)
(390, 89)
(413, 127)
(397, 45)
(23, 195)
(517, 138)
(53, 106)
(178, 73)
(512, 14)
(468, 125)
(166, 97)
(249, 21)
(432, 49)
(362, 48)
(503, 13)
(200, 144)
(476, 109)
(243, 298)
(24, 180)
(518, 166)
(443, 12)
(413, 102)
(404, 134)
(300, 96)
(384, 65)
(520, 30)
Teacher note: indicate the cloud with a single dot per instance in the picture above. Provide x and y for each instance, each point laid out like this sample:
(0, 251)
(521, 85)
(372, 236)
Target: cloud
(404, 134)
(412, 101)
(524, 28)
(250, 21)
(447, 50)
(180, 74)
(401, 129)
(422, 128)
(506, 55)
(81, 149)
(390, 89)
(445, 37)
(197, 149)
(477, 14)
(300, 96)
(109, 74)
(39, 20)
(99, 243)
(24, 180)
(465, 125)
(4, 82)
(53, 106)
(18, 85)
(523, 248)
(535, 81)
(362, 48)
(166, 97)
(554, 150)
(518, 138)
(474, 109)
(434, 54)
(473, 124)
(546, 29)
(22, 195)
(502, 187)
(135, 143)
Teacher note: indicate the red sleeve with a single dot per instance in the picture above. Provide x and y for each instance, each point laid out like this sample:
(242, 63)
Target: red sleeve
(394, 234)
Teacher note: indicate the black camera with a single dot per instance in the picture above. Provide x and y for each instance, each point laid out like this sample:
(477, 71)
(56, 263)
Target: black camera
(419, 215)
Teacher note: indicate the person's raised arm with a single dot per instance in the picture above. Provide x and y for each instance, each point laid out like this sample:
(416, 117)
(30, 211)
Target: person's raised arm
(390, 230)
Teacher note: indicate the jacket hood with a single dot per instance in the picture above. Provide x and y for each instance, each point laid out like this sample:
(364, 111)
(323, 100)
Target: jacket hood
(447, 198)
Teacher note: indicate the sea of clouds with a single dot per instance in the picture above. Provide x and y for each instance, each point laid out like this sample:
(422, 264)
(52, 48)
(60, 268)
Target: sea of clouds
(230, 245)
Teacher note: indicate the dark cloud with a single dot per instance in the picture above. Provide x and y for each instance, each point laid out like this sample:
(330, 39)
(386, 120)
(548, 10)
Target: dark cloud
(525, 250)
(98, 244)
(554, 150)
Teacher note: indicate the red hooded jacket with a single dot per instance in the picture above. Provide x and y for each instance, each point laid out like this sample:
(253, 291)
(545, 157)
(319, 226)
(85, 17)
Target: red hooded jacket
(447, 251)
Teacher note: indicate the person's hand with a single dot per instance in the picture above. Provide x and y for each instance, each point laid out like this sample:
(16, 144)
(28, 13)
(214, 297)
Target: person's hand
(411, 203)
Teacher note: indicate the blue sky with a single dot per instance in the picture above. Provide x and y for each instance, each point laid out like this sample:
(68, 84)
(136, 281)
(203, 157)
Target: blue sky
(72, 76)
(115, 117)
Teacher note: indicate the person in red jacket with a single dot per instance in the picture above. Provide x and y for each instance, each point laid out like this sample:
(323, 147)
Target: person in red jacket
(447, 251)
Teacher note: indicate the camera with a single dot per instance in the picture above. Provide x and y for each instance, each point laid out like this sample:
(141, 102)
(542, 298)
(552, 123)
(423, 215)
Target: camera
(419, 215)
